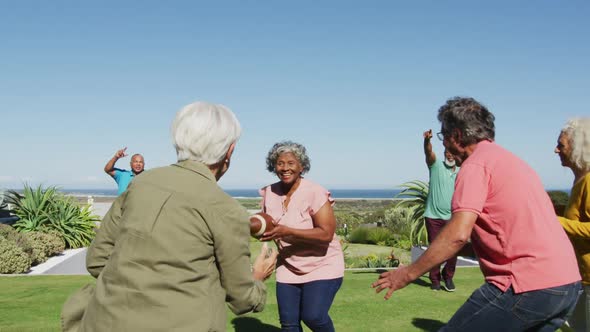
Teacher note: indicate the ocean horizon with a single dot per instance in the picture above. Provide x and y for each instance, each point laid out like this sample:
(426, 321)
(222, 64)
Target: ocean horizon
(253, 193)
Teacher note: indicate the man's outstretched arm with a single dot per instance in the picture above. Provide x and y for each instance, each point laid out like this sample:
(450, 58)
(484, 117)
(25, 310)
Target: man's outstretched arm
(430, 156)
(109, 168)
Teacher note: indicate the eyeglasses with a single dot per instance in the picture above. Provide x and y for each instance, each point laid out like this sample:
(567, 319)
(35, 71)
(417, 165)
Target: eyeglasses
(440, 136)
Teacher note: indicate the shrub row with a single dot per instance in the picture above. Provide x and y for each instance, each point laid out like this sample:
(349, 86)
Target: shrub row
(380, 236)
(19, 251)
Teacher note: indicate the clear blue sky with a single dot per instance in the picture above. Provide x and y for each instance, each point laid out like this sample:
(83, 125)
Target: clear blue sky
(357, 82)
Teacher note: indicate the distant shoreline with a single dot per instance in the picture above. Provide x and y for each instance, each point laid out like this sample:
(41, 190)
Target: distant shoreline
(247, 194)
(110, 199)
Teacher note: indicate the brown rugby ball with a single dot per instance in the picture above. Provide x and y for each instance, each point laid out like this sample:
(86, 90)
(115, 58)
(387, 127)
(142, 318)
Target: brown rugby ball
(260, 222)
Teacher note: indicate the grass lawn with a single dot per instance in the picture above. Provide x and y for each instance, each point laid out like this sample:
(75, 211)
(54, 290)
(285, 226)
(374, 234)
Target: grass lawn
(33, 304)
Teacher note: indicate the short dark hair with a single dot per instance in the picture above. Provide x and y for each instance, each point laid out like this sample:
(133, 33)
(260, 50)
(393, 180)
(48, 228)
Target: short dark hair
(474, 120)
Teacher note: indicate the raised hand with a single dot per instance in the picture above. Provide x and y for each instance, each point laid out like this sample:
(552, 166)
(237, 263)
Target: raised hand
(428, 134)
(121, 153)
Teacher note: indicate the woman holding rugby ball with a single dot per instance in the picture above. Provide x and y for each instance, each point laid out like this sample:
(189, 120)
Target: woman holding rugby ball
(310, 266)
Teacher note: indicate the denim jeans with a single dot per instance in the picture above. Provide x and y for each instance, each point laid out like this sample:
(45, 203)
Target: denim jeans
(308, 302)
(490, 309)
(580, 319)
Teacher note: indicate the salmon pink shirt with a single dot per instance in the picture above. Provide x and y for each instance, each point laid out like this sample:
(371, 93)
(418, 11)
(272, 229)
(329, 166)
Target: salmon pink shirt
(517, 236)
(301, 262)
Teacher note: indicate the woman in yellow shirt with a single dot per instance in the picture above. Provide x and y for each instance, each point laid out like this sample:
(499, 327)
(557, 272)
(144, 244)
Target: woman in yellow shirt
(573, 148)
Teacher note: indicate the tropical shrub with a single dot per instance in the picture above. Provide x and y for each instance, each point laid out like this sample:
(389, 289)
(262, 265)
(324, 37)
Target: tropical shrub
(12, 258)
(414, 196)
(74, 224)
(380, 236)
(31, 207)
(48, 210)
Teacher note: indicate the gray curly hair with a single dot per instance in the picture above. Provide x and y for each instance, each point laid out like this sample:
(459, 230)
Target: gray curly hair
(578, 133)
(287, 146)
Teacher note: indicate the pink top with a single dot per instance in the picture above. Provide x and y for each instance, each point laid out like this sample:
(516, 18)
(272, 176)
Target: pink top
(517, 236)
(302, 262)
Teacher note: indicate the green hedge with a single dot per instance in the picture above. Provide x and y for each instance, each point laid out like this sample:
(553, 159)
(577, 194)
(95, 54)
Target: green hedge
(12, 258)
(19, 239)
(45, 245)
(38, 246)
(372, 235)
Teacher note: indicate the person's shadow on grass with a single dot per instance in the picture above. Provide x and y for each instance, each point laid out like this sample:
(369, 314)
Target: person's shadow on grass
(421, 282)
(250, 324)
(429, 325)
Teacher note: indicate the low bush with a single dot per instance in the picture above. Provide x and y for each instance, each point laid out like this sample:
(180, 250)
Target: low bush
(359, 235)
(19, 239)
(12, 258)
(7, 231)
(372, 235)
(44, 245)
(372, 261)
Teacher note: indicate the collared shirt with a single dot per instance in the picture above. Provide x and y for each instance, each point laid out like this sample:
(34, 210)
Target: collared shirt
(300, 263)
(517, 236)
(122, 177)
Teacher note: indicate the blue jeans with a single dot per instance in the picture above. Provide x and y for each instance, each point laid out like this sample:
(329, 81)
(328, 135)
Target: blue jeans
(308, 302)
(490, 309)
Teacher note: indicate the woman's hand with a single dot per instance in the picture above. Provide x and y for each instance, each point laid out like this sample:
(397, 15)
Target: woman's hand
(265, 263)
(279, 232)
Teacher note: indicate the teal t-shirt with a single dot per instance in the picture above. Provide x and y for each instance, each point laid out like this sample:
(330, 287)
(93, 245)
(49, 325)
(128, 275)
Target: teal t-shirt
(123, 177)
(440, 191)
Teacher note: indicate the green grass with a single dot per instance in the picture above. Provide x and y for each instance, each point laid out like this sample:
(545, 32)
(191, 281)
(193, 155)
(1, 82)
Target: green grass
(33, 304)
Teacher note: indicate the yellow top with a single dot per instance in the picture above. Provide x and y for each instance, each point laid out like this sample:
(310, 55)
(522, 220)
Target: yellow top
(576, 222)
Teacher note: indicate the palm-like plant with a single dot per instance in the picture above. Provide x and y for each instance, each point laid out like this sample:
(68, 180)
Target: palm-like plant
(414, 196)
(31, 206)
(76, 225)
(49, 210)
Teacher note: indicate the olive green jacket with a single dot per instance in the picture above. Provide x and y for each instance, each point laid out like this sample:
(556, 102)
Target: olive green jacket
(171, 251)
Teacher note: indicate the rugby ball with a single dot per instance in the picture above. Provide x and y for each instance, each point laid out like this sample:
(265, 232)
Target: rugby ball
(259, 223)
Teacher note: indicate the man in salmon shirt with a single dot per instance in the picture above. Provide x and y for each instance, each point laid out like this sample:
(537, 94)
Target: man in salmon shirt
(532, 279)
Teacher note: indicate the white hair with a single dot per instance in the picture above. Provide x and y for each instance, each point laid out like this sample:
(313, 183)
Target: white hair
(578, 133)
(204, 132)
